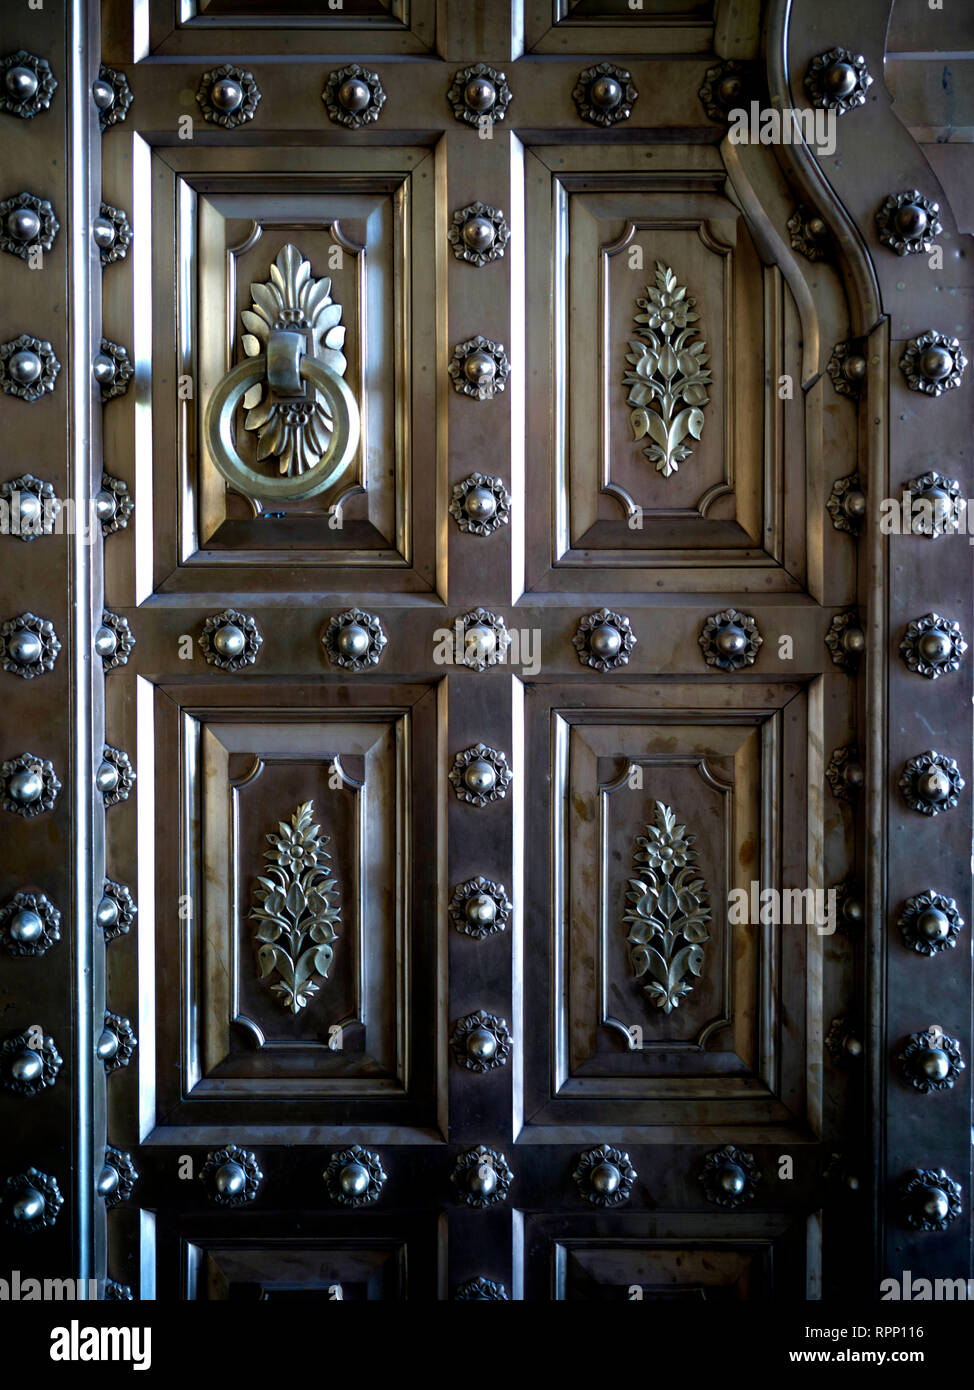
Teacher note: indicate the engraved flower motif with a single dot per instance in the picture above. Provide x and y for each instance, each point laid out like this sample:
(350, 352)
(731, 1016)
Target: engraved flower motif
(666, 848)
(666, 309)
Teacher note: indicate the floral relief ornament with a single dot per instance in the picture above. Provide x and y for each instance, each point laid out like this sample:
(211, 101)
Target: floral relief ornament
(669, 376)
(297, 908)
(669, 911)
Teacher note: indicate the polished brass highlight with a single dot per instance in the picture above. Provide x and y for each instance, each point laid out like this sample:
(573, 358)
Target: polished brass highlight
(28, 646)
(26, 223)
(930, 922)
(668, 911)
(485, 638)
(29, 1062)
(297, 908)
(26, 84)
(930, 1199)
(933, 363)
(730, 1176)
(479, 368)
(932, 646)
(908, 222)
(604, 94)
(838, 80)
(666, 371)
(604, 1176)
(112, 233)
(931, 783)
(30, 924)
(113, 370)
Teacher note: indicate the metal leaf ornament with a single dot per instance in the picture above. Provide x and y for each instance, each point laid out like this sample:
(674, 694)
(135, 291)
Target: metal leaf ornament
(669, 376)
(297, 908)
(669, 911)
(294, 431)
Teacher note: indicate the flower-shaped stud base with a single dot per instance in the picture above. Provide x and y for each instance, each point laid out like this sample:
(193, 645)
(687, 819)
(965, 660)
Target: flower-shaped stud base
(604, 94)
(113, 640)
(112, 370)
(930, 1199)
(30, 924)
(481, 1041)
(33, 506)
(28, 368)
(354, 639)
(480, 775)
(479, 368)
(479, 95)
(28, 785)
(485, 638)
(481, 1177)
(113, 96)
(932, 646)
(930, 922)
(230, 640)
(29, 1062)
(115, 776)
(933, 363)
(26, 84)
(730, 640)
(808, 234)
(480, 907)
(847, 504)
(908, 222)
(354, 1176)
(479, 234)
(847, 368)
(930, 1061)
(837, 80)
(231, 1176)
(481, 1290)
(31, 1201)
(117, 1044)
(353, 96)
(727, 87)
(843, 1041)
(931, 783)
(228, 96)
(730, 1176)
(118, 1176)
(116, 910)
(934, 505)
(26, 223)
(604, 1176)
(846, 640)
(112, 232)
(844, 773)
(604, 640)
(28, 646)
(481, 504)
(113, 505)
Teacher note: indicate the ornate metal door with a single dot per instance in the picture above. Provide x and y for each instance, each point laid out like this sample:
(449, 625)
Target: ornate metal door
(493, 695)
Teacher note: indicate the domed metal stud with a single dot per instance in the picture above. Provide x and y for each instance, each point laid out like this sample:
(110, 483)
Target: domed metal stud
(932, 646)
(228, 96)
(933, 363)
(28, 368)
(846, 640)
(604, 640)
(934, 505)
(230, 640)
(483, 638)
(481, 1177)
(479, 234)
(114, 776)
(850, 910)
(231, 1176)
(841, 1174)
(481, 1290)
(116, 1292)
(116, 910)
(847, 368)
(480, 907)
(354, 96)
(29, 1062)
(116, 1043)
(929, 1199)
(808, 233)
(118, 1176)
(730, 1176)
(111, 232)
(604, 1176)
(930, 922)
(26, 84)
(604, 94)
(481, 1041)
(28, 646)
(479, 368)
(908, 223)
(931, 783)
(30, 1201)
(480, 504)
(479, 94)
(354, 1176)
(730, 640)
(847, 504)
(480, 774)
(112, 96)
(27, 222)
(30, 924)
(838, 80)
(845, 773)
(112, 370)
(28, 785)
(727, 86)
(113, 640)
(354, 639)
(930, 1061)
(31, 506)
(844, 1041)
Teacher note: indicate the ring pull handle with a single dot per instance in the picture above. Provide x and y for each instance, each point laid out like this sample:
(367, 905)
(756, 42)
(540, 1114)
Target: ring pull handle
(303, 413)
